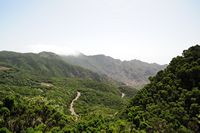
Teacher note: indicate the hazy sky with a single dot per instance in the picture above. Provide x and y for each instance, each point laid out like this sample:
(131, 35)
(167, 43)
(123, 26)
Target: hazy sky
(148, 30)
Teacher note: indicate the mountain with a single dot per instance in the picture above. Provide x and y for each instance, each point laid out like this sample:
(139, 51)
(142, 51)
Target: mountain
(37, 90)
(168, 104)
(44, 65)
(171, 101)
(133, 73)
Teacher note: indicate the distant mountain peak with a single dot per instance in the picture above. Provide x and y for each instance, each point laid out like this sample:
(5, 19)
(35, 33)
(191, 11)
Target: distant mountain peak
(134, 72)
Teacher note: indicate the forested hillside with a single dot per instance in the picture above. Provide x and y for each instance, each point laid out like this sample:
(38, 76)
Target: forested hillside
(36, 91)
(171, 102)
(43, 66)
(134, 73)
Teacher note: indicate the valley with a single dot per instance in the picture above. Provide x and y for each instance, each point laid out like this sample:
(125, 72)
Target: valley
(43, 93)
(99, 66)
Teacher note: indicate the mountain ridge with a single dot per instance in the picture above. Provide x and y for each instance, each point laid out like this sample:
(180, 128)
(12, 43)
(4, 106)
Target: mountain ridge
(47, 64)
(133, 72)
(169, 103)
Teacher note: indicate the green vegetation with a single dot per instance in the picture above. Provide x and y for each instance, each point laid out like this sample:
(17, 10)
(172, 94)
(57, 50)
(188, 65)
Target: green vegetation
(171, 102)
(31, 102)
(36, 91)
(19, 114)
(40, 66)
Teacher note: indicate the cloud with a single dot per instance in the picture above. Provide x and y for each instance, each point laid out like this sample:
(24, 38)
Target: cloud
(63, 50)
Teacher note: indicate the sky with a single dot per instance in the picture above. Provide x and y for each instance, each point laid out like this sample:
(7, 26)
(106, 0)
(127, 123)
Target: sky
(153, 31)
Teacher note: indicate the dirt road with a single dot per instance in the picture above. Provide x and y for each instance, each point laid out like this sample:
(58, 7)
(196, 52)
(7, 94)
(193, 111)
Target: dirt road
(71, 108)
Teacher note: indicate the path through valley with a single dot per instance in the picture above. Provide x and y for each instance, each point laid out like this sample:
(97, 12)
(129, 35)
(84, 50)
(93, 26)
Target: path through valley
(71, 108)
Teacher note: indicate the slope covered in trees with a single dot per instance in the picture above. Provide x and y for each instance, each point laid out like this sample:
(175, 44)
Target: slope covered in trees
(44, 65)
(36, 91)
(171, 102)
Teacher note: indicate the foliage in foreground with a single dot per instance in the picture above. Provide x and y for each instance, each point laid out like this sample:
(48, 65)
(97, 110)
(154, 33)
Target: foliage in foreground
(171, 102)
(21, 114)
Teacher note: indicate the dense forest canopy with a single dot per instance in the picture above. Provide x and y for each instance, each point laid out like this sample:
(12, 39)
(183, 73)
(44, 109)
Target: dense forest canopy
(36, 91)
(169, 103)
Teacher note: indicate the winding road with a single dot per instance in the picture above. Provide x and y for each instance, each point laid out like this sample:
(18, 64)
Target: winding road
(71, 108)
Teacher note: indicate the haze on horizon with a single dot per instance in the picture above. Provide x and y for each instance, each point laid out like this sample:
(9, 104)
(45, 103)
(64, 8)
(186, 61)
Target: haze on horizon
(151, 31)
